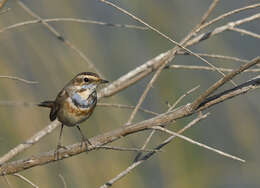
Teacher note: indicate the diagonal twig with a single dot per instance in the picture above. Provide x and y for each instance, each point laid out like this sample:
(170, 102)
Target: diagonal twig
(245, 32)
(25, 180)
(198, 143)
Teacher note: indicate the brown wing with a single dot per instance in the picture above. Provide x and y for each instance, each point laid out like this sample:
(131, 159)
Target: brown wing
(61, 97)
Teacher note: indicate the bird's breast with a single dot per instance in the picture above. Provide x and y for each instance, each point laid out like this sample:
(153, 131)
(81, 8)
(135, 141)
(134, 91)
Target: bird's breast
(77, 109)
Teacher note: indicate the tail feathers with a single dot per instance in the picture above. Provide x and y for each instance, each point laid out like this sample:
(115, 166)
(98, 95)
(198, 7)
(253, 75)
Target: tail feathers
(47, 104)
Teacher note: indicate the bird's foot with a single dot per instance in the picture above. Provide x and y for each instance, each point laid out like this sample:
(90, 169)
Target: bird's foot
(56, 152)
(85, 143)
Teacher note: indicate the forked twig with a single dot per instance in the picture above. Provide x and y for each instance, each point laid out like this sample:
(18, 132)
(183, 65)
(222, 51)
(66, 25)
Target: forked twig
(150, 154)
(170, 108)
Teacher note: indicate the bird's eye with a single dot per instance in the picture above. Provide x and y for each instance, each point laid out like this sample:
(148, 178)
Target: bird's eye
(86, 79)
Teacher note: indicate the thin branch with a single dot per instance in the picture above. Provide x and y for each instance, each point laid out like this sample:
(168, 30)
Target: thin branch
(228, 14)
(70, 20)
(216, 56)
(145, 69)
(147, 140)
(25, 180)
(124, 106)
(193, 67)
(28, 143)
(63, 181)
(245, 32)
(223, 80)
(147, 156)
(221, 29)
(170, 108)
(59, 36)
(182, 97)
(180, 45)
(7, 181)
(227, 94)
(198, 143)
(125, 149)
(19, 79)
(207, 13)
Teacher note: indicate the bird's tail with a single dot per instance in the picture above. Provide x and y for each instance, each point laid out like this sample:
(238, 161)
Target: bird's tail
(47, 104)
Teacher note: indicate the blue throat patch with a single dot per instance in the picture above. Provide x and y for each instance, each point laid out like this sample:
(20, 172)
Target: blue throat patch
(83, 103)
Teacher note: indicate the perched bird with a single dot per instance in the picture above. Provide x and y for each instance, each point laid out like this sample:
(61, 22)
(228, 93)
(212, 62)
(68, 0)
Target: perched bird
(75, 102)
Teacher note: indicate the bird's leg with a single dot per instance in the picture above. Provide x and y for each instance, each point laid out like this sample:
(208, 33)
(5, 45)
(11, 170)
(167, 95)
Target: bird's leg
(56, 153)
(83, 138)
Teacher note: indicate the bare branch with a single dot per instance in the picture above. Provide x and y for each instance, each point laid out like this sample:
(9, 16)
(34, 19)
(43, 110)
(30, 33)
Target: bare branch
(125, 149)
(193, 67)
(63, 181)
(245, 32)
(162, 119)
(221, 29)
(170, 108)
(207, 13)
(223, 80)
(7, 181)
(123, 106)
(240, 89)
(229, 14)
(25, 180)
(199, 144)
(28, 143)
(216, 56)
(70, 20)
(147, 156)
(19, 79)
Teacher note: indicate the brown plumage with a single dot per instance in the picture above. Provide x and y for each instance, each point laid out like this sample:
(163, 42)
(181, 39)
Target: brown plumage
(76, 101)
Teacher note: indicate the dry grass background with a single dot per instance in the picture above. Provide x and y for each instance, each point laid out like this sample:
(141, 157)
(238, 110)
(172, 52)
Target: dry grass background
(34, 53)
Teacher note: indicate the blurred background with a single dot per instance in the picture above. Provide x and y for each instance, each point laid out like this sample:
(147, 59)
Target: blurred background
(34, 53)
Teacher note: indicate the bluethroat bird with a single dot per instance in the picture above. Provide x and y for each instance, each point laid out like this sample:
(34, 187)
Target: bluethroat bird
(75, 102)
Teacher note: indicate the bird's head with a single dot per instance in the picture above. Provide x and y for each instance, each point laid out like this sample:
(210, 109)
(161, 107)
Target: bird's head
(87, 81)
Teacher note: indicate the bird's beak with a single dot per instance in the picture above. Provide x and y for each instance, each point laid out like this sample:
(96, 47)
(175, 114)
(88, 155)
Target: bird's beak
(101, 81)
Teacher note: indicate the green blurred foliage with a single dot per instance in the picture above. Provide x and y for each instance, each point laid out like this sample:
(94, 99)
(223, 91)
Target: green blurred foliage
(34, 53)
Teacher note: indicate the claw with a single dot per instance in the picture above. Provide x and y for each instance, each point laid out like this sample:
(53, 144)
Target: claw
(56, 152)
